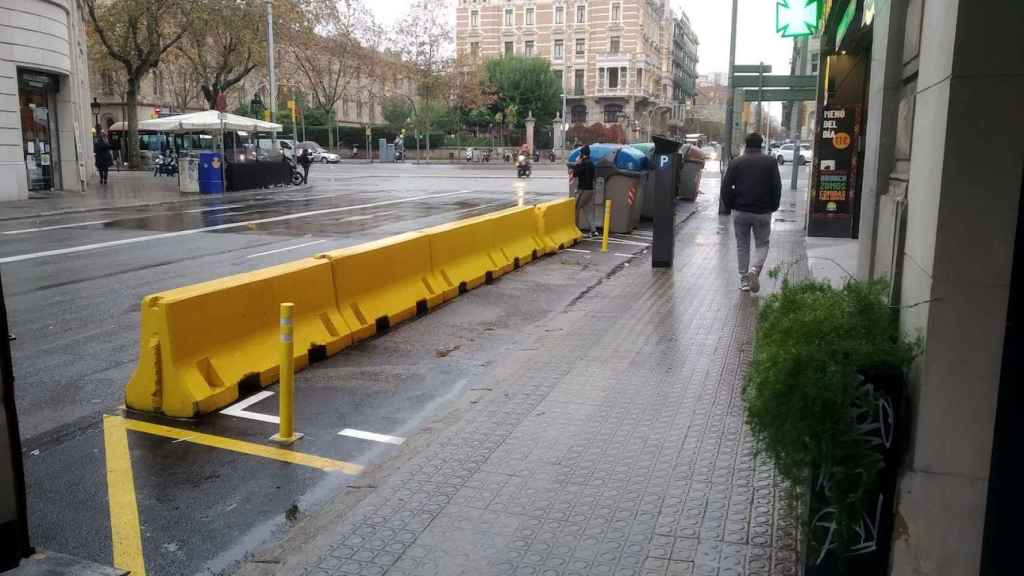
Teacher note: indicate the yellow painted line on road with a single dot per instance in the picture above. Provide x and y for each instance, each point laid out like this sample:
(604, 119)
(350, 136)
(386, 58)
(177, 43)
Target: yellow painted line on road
(124, 510)
(243, 447)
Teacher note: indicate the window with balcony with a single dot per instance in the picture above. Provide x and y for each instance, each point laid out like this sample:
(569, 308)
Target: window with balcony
(559, 50)
(639, 78)
(616, 12)
(528, 48)
(474, 49)
(579, 114)
(559, 15)
(581, 47)
(558, 77)
(510, 17)
(614, 45)
(578, 83)
(474, 19)
(581, 14)
(529, 16)
(611, 113)
(509, 49)
(613, 78)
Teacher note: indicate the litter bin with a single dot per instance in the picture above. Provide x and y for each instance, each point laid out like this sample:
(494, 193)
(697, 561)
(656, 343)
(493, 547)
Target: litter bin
(624, 170)
(688, 181)
(211, 172)
(647, 194)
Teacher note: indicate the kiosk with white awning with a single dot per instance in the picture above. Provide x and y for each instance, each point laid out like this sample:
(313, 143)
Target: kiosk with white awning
(220, 151)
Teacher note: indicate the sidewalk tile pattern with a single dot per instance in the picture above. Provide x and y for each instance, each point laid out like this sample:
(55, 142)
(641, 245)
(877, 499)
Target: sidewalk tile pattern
(616, 447)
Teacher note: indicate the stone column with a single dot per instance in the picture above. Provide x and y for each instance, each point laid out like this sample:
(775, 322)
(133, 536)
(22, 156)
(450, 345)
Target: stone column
(530, 124)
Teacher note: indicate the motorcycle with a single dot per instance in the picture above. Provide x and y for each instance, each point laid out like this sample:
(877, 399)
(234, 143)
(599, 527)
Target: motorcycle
(165, 165)
(523, 167)
(551, 156)
(469, 155)
(296, 170)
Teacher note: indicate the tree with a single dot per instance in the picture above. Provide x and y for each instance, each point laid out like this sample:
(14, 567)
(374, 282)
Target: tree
(423, 37)
(182, 80)
(224, 43)
(397, 112)
(524, 85)
(137, 34)
(327, 50)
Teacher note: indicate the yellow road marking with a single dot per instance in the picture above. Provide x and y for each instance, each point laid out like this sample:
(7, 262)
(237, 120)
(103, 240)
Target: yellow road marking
(281, 454)
(124, 511)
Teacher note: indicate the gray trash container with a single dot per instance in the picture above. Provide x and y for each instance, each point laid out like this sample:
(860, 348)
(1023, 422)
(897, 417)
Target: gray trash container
(691, 168)
(624, 173)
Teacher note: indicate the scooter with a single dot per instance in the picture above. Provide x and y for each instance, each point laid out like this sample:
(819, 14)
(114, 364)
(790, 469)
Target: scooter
(296, 170)
(523, 166)
(551, 156)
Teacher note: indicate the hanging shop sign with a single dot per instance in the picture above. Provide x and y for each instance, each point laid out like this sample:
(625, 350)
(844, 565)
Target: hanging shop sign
(794, 18)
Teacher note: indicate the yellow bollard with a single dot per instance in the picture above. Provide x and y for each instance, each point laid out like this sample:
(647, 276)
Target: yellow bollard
(286, 433)
(607, 225)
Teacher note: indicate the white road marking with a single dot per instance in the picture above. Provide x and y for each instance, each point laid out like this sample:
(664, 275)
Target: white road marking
(610, 241)
(635, 235)
(624, 255)
(211, 208)
(44, 228)
(351, 433)
(238, 409)
(576, 250)
(165, 235)
(365, 216)
(303, 245)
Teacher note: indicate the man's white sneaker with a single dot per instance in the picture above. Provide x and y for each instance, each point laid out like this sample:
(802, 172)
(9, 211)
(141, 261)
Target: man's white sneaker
(753, 282)
(744, 282)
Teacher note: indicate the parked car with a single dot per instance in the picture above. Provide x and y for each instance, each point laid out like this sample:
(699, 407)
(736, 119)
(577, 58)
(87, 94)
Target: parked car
(785, 154)
(325, 157)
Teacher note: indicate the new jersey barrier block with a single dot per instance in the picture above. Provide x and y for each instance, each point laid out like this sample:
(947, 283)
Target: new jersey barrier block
(556, 222)
(464, 255)
(200, 343)
(517, 235)
(382, 283)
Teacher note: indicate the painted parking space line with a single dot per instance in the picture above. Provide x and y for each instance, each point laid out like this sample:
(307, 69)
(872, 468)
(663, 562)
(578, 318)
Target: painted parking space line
(575, 250)
(285, 249)
(247, 223)
(238, 409)
(617, 241)
(363, 434)
(57, 227)
(125, 535)
(273, 453)
(624, 255)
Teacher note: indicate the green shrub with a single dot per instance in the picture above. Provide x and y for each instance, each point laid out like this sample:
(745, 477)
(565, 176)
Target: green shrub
(803, 395)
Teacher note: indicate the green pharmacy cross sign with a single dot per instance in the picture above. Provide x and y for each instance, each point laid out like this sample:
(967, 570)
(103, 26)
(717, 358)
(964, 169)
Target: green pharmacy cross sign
(795, 18)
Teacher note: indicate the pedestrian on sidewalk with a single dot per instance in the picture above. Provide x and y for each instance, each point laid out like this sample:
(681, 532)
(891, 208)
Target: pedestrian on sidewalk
(305, 159)
(101, 149)
(752, 189)
(583, 173)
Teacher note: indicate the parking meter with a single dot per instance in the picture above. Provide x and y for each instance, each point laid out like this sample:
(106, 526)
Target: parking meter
(666, 169)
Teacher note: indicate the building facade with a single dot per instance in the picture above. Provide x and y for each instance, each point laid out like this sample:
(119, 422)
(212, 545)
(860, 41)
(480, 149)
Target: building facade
(45, 121)
(939, 84)
(611, 56)
(680, 81)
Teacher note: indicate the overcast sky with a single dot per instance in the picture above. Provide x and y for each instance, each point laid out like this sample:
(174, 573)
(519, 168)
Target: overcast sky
(756, 35)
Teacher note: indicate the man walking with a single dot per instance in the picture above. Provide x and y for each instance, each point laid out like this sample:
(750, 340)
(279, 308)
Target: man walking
(583, 172)
(752, 189)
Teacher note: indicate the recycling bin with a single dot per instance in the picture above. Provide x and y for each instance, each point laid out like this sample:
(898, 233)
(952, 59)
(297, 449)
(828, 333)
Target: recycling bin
(647, 194)
(624, 173)
(211, 172)
(692, 166)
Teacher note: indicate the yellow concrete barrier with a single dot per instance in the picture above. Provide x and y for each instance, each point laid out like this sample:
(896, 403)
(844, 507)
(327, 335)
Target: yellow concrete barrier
(199, 343)
(463, 254)
(382, 283)
(517, 235)
(556, 223)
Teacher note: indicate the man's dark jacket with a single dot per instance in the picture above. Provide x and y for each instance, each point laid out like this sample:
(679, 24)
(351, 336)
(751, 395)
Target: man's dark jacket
(584, 172)
(752, 183)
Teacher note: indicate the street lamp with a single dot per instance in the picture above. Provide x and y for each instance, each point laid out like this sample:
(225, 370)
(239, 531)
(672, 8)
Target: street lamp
(95, 107)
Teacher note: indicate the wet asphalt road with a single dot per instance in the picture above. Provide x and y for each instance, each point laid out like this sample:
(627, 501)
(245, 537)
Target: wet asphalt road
(73, 284)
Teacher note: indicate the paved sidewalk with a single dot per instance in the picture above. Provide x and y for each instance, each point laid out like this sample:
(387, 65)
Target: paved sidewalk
(125, 190)
(611, 440)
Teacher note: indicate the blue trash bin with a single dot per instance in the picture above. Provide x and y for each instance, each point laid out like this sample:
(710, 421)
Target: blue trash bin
(211, 173)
